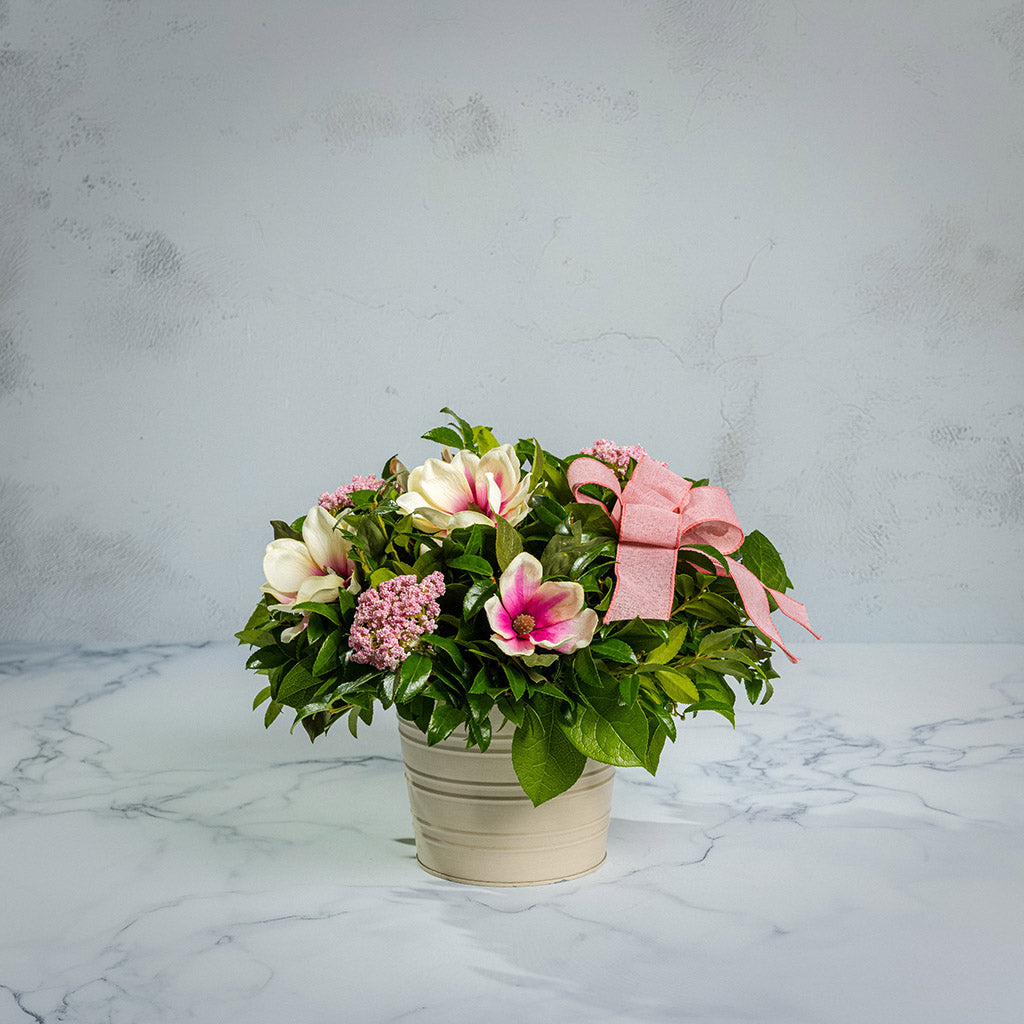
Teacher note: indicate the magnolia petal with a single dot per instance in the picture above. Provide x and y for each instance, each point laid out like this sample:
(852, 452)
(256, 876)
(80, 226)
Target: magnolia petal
(291, 632)
(502, 464)
(323, 589)
(518, 645)
(494, 496)
(286, 600)
(519, 582)
(286, 564)
(327, 540)
(568, 636)
(500, 620)
(442, 484)
(555, 602)
(468, 518)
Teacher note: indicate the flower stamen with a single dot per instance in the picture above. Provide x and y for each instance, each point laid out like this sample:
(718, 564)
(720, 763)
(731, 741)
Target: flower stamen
(524, 624)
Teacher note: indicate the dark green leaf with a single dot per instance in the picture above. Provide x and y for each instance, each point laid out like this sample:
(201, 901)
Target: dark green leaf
(282, 531)
(614, 650)
(327, 657)
(758, 554)
(443, 435)
(610, 733)
(415, 674)
(545, 762)
(474, 564)
(443, 720)
(467, 430)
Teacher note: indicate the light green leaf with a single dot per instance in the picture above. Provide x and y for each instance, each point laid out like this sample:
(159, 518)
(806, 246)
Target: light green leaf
(670, 648)
(507, 544)
(677, 686)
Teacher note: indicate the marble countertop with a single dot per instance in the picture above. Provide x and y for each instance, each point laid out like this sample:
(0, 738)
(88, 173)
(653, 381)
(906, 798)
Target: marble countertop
(851, 852)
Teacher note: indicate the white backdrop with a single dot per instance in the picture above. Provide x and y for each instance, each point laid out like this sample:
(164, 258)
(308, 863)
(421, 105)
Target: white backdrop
(249, 249)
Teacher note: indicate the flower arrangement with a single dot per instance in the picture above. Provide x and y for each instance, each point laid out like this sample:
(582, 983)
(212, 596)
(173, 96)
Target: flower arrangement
(592, 602)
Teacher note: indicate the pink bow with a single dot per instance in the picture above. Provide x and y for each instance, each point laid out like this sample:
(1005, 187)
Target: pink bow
(657, 514)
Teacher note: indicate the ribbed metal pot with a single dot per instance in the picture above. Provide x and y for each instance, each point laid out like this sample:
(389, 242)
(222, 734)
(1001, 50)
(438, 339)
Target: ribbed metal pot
(474, 824)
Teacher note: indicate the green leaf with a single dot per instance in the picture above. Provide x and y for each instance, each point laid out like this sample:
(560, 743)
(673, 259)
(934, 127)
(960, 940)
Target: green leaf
(260, 697)
(273, 710)
(474, 564)
(545, 762)
(297, 681)
(415, 674)
(508, 542)
(758, 554)
(327, 656)
(371, 537)
(443, 435)
(282, 531)
(379, 576)
(536, 465)
(614, 650)
(516, 680)
(443, 720)
(678, 686)
(586, 670)
(612, 734)
(467, 430)
(670, 648)
(484, 439)
(476, 597)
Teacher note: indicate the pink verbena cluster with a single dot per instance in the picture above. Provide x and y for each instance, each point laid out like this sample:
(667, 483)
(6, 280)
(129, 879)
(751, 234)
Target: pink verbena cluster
(340, 499)
(391, 617)
(615, 455)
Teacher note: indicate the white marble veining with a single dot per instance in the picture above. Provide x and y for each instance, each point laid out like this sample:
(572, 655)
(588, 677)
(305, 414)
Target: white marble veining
(851, 852)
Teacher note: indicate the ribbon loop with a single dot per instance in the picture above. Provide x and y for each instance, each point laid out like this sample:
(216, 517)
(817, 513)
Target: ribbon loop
(656, 515)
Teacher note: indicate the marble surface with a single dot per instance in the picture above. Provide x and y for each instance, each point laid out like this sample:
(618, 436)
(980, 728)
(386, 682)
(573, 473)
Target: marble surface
(851, 852)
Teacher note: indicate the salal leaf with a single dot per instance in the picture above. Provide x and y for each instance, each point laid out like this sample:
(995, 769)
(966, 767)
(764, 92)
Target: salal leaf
(670, 648)
(443, 435)
(545, 762)
(414, 676)
(507, 544)
(443, 720)
(610, 733)
(678, 686)
(758, 554)
(327, 656)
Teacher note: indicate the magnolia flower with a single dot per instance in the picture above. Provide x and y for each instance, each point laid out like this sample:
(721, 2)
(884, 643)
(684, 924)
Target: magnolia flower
(469, 489)
(311, 569)
(526, 613)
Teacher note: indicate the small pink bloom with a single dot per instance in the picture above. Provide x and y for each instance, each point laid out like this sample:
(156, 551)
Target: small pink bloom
(333, 501)
(527, 613)
(617, 456)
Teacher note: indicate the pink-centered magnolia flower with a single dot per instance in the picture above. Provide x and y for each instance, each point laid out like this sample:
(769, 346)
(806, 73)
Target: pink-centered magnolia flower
(528, 613)
(470, 489)
(311, 569)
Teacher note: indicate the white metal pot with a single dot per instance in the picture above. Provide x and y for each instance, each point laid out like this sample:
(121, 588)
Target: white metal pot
(474, 824)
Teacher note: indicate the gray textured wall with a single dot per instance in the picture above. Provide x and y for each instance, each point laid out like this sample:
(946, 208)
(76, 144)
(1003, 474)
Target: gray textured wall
(249, 249)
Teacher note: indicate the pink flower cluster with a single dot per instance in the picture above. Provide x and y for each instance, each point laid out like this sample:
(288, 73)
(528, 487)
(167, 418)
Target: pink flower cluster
(615, 455)
(340, 499)
(391, 617)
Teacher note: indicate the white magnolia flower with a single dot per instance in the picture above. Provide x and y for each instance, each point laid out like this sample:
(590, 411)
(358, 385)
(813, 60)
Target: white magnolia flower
(311, 569)
(470, 489)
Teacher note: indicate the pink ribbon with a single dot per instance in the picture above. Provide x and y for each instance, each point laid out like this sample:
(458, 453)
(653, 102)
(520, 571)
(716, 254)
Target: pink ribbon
(657, 514)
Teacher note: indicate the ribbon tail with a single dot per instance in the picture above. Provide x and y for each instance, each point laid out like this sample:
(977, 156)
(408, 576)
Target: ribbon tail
(754, 596)
(793, 610)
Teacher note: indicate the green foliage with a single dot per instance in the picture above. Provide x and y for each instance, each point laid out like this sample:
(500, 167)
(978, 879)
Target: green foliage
(616, 700)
